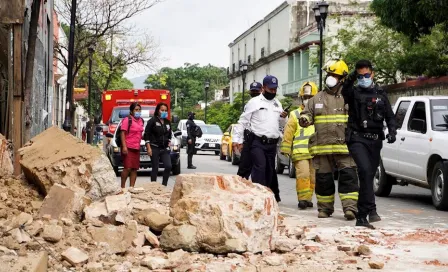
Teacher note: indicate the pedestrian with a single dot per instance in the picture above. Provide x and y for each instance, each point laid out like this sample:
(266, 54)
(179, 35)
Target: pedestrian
(131, 135)
(265, 117)
(295, 146)
(84, 134)
(245, 165)
(191, 139)
(369, 107)
(326, 110)
(157, 139)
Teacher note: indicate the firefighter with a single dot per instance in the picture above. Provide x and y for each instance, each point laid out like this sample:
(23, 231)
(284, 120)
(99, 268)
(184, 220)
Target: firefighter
(369, 107)
(326, 110)
(297, 137)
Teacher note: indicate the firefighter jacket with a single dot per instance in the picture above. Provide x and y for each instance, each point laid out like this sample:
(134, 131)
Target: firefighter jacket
(329, 115)
(296, 137)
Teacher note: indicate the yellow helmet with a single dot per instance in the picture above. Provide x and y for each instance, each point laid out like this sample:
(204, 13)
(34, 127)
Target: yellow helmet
(338, 67)
(313, 88)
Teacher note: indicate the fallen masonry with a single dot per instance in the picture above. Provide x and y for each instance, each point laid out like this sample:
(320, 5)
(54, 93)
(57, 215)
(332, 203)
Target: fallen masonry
(209, 222)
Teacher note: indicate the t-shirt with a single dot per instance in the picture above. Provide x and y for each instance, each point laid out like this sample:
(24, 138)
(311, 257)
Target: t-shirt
(134, 136)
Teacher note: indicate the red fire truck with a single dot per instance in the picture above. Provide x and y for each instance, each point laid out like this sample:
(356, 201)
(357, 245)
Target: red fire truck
(115, 101)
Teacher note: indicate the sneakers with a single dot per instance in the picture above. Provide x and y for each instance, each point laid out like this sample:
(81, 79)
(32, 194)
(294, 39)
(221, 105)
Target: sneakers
(303, 204)
(362, 222)
(191, 167)
(323, 214)
(349, 215)
(374, 217)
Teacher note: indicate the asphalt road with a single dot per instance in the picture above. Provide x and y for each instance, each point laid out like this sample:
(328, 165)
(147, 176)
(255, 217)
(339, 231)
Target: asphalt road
(408, 207)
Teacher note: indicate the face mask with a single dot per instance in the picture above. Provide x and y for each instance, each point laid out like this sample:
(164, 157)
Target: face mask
(137, 114)
(163, 114)
(331, 82)
(365, 82)
(253, 94)
(307, 90)
(269, 96)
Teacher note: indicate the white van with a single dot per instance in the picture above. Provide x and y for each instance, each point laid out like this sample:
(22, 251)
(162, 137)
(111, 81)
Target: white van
(183, 128)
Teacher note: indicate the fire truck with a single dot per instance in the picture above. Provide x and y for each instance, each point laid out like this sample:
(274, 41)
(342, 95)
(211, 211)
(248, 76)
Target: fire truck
(116, 101)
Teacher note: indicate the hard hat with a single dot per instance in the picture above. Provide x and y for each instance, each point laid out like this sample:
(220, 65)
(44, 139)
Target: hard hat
(338, 67)
(313, 89)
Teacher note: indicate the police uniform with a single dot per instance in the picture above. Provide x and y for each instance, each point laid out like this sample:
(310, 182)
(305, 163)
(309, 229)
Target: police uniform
(191, 125)
(262, 116)
(326, 110)
(368, 109)
(245, 165)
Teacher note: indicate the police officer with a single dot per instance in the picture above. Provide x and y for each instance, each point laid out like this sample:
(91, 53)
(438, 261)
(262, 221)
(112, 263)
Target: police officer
(368, 107)
(245, 165)
(264, 115)
(191, 139)
(326, 110)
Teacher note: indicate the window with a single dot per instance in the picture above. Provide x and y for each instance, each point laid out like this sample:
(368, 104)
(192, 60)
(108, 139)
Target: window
(233, 68)
(401, 113)
(239, 64)
(248, 59)
(417, 119)
(262, 52)
(439, 114)
(255, 49)
(269, 41)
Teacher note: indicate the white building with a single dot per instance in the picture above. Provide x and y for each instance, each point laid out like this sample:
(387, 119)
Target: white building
(284, 44)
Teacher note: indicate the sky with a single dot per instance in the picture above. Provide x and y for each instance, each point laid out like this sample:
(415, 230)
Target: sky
(198, 31)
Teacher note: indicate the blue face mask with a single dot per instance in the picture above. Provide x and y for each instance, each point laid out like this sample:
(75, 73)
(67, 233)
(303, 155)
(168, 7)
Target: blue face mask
(365, 82)
(163, 114)
(137, 114)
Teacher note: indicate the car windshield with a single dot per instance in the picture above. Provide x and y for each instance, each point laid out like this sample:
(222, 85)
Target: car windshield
(439, 111)
(146, 113)
(210, 129)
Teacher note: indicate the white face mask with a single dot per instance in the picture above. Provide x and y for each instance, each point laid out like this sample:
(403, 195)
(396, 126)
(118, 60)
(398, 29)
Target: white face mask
(331, 81)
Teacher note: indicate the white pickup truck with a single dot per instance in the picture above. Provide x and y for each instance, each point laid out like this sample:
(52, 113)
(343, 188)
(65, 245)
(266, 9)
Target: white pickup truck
(420, 155)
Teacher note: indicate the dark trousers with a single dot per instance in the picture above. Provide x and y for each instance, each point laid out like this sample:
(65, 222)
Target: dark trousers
(366, 154)
(190, 151)
(263, 158)
(157, 155)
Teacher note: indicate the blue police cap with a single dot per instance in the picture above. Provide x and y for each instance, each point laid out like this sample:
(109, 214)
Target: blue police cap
(271, 82)
(255, 86)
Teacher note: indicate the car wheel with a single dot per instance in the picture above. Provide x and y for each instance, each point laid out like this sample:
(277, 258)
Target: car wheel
(279, 167)
(217, 153)
(176, 169)
(292, 169)
(382, 182)
(439, 188)
(228, 158)
(117, 173)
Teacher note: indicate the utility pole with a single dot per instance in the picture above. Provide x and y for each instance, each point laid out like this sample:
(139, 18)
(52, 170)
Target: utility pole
(17, 96)
(89, 106)
(71, 48)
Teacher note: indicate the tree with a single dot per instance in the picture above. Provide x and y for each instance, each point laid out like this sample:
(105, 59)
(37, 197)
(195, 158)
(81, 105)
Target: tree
(413, 18)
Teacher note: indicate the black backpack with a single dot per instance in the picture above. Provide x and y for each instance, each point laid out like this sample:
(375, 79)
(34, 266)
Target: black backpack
(118, 134)
(197, 132)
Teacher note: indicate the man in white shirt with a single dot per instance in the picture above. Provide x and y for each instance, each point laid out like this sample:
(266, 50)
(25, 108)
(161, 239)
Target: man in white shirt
(264, 116)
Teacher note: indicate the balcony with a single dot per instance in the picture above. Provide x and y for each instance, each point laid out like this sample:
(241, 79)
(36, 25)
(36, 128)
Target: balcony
(293, 87)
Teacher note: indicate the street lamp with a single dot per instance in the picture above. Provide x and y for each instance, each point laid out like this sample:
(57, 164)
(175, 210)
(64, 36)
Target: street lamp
(207, 87)
(320, 14)
(244, 66)
(182, 96)
(89, 103)
(67, 126)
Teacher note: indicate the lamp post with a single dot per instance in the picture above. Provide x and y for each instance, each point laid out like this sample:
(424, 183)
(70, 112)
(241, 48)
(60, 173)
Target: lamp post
(67, 126)
(89, 103)
(243, 68)
(182, 96)
(207, 87)
(320, 14)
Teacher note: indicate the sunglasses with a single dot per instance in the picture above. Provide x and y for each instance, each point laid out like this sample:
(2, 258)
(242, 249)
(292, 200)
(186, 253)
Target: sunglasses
(367, 75)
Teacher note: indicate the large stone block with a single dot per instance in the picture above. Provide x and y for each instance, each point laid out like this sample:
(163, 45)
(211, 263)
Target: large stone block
(219, 214)
(55, 156)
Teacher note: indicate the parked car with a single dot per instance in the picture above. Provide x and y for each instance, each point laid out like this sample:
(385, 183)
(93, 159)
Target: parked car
(182, 126)
(114, 153)
(210, 140)
(226, 151)
(420, 155)
(282, 162)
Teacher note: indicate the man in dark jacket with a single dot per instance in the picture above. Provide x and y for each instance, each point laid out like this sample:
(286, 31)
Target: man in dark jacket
(369, 107)
(191, 139)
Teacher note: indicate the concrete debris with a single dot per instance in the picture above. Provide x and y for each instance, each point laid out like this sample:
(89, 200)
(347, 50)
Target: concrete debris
(153, 219)
(230, 214)
(152, 238)
(52, 233)
(94, 267)
(60, 202)
(374, 264)
(118, 238)
(364, 250)
(6, 162)
(33, 262)
(75, 256)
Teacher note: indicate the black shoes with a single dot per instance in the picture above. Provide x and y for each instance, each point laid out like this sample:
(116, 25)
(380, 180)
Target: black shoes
(310, 204)
(277, 198)
(363, 222)
(303, 204)
(191, 167)
(374, 217)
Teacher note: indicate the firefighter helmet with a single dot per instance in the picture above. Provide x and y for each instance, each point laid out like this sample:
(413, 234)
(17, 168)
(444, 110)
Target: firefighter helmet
(338, 67)
(311, 92)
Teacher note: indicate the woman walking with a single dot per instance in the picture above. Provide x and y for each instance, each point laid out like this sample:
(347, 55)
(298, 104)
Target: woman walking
(131, 135)
(157, 138)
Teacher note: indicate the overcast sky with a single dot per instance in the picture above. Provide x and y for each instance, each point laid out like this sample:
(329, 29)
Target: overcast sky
(199, 31)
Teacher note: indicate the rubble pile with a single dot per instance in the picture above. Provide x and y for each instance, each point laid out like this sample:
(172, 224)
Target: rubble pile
(6, 165)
